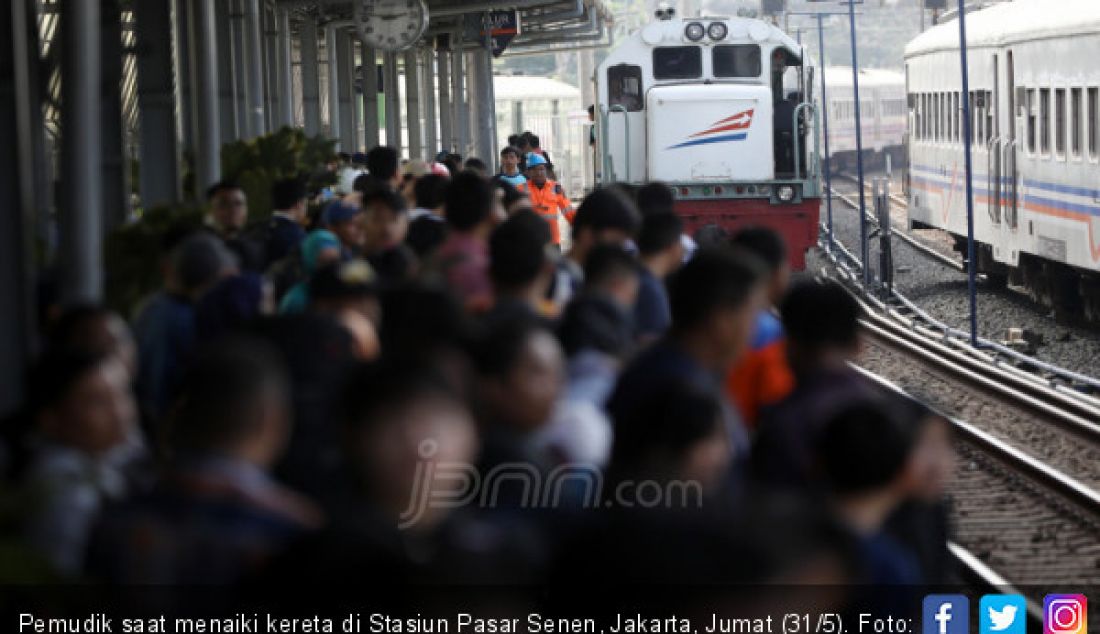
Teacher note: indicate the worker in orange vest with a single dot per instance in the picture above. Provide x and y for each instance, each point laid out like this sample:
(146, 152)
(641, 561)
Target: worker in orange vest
(547, 197)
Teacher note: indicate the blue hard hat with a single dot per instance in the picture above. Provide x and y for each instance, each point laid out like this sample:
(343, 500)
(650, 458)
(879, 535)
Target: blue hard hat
(534, 159)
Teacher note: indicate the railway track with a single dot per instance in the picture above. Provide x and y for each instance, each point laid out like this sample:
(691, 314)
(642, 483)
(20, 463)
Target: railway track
(1026, 490)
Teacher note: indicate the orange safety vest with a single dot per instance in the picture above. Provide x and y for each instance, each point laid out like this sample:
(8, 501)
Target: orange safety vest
(548, 201)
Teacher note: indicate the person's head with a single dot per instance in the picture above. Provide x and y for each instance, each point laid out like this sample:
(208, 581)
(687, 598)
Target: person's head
(604, 217)
(513, 199)
(655, 198)
(431, 192)
(343, 158)
(234, 403)
(348, 292)
(82, 399)
(228, 206)
(659, 242)
(821, 321)
(537, 169)
(231, 304)
(519, 365)
(477, 165)
(518, 257)
(386, 222)
(399, 419)
(711, 236)
(319, 248)
(595, 322)
(523, 143)
(94, 330)
(533, 141)
(771, 249)
(591, 112)
(411, 173)
(714, 299)
(428, 325)
(358, 160)
(289, 196)
(198, 262)
(469, 203)
(509, 160)
(382, 163)
(613, 273)
(513, 140)
(883, 452)
(675, 432)
(344, 220)
(453, 162)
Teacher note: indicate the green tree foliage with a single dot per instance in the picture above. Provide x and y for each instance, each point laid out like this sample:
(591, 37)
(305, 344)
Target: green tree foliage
(257, 163)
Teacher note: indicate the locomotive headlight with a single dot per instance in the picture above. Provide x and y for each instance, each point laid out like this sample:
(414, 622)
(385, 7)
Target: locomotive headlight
(785, 193)
(718, 31)
(694, 31)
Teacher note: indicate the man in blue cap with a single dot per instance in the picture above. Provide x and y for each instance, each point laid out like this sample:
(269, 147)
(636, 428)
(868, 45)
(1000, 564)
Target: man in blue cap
(548, 199)
(344, 219)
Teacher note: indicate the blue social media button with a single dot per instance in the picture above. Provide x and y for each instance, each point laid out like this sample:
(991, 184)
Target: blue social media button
(946, 614)
(1002, 614)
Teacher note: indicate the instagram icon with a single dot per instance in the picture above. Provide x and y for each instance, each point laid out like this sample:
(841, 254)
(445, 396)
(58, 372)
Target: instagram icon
(1065, 614)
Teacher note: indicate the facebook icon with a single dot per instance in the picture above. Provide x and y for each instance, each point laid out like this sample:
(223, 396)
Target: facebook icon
(946, 614)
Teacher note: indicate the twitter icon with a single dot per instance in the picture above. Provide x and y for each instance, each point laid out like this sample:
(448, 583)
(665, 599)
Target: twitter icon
(1002, 614)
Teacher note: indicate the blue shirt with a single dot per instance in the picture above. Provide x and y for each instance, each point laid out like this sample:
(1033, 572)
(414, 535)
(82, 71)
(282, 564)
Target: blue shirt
(514, 181)
(652, 316)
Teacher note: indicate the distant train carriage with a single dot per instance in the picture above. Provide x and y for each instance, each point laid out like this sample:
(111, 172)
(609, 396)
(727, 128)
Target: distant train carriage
(722, 110)
(882, 110)
(1035, 89)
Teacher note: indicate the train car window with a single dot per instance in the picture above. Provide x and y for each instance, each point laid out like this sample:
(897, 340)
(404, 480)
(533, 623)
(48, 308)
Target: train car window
(956, 113)
(1094, 121)
(739, 60)
(1075, 127)
(678, 62)
(975, 120)
(1060, 121)
(1032, 121)
(1044, 121)
(624, 87)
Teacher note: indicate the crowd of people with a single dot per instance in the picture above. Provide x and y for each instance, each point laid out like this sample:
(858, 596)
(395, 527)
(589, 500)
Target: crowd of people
(310, 395)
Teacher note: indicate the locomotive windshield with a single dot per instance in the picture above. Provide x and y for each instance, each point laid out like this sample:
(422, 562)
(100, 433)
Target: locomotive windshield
(678, 62)
(739, 60)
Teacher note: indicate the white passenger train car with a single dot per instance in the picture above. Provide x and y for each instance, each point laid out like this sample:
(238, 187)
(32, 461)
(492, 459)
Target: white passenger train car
(1035, 87)
(882, 110)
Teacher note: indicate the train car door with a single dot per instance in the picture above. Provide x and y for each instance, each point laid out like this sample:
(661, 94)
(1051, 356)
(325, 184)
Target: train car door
(996, 182)
(1012, 146)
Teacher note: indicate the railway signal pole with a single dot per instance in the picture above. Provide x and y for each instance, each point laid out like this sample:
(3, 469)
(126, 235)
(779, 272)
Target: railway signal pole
(863, 247)
(971, 259)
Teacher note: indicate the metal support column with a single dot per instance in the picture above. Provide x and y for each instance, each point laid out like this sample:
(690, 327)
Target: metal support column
(227, 90)
(968, 134)
(393, 100)
(311, 88)
(460, 103)
(431, 116)
(346, 90)
(825, 126)
(239, 66)
(474, 96)
(18, 77)
(331, 55)
(859, 149)
(286, 70)
(182, 59)
(204, 80)
(414, 122)
(81, 209)
(370, 98)
(113, 155)
(254, 68)
(446, 113)
(156, 105)
(485, 108)
(272, 96)
(355, 87)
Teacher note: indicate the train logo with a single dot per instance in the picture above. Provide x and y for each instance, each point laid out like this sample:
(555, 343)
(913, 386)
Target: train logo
(737, 126)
